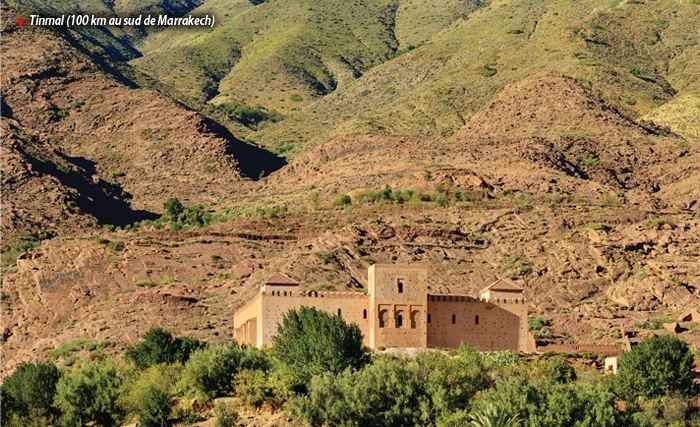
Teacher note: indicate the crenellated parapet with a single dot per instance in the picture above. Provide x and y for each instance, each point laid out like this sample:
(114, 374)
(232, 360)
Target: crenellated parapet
(314, 294)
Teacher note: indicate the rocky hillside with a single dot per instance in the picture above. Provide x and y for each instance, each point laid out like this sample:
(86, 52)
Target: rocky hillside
(121, 152)
(540, 172)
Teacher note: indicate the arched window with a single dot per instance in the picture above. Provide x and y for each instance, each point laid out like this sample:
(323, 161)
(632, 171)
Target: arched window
(476, 319)
(428, 317)
(382, 318)
(415, 319)
(338, 312)
(454, 319)
(399, 321)
(364, 313)
(399, 284)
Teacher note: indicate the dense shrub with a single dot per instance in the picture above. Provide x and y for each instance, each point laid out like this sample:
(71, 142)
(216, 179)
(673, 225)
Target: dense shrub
(226, 415)
(89, 395)
(250, 116)
(547, 403)
(147, 394)
(394, 391)
(27, 395)
(159, 346)
(312, 342)
(656, 367)
(209, 372)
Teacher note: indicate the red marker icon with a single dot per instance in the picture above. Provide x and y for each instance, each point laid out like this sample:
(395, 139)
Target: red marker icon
(20, 22)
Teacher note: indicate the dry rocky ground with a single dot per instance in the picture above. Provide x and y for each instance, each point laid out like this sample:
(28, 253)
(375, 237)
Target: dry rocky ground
(594, 214)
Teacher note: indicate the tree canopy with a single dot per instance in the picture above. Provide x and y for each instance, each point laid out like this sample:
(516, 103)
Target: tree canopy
(656, 367)
(159, 346)
(312, 342)
(29, 392)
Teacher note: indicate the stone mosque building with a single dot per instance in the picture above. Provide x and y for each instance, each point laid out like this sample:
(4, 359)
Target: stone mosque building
(397, 311)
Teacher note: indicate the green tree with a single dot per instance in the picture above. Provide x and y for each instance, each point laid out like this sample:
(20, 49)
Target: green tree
(386, 392)
(209, 372)
(251, 387)
(159, 346)
(155, 405)
(312, 342)
(28, 393)
(560, 371)
(174, 208)
(450, 382)
(90, 395)
(147, 394)
(656, 367)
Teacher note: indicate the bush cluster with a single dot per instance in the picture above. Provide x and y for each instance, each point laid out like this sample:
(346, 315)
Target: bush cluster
(321, 373)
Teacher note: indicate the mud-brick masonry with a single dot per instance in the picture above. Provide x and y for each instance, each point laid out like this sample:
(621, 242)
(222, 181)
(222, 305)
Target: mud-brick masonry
(397, 311)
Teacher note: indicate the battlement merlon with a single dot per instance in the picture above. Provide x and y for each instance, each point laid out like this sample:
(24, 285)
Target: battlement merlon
(467, 298)
(314, 294)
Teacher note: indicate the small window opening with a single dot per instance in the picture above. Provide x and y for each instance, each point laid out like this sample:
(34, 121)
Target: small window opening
(476, 320)
(400, 286)
(399, 321)
(454, 319)
(428, 317)
(338, 312)
(364, 314)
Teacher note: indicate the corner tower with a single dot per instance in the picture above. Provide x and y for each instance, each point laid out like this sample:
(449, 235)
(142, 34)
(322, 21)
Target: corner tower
(398, 301)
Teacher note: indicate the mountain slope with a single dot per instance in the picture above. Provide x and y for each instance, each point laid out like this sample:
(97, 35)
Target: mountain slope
(133, 146)
(436, 88)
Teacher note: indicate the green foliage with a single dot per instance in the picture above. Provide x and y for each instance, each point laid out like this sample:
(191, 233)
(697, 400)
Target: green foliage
(657, 366)
(591, 162)
(65, 350)
(547, 403)
(654, 323)
(145, 283)
(89, 394)
(226, 415)
(667, 411)
(146, 133)
(342, 200)
(323, 287)
(656, 223)
(295, 97)
(115, 245)
(312, 342)
(250, 116)
(487, 71)
(558, 370)
(598, 226)
(27, 395)
(173, 208)
(209, 372)
(159, 346)
(494, 416)
(394, 391)
(180, 216)
(609, 199)
(143, 393)
(155, 405)
(9, 256)
(516, 266)
(252, 387)
(536, 323)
